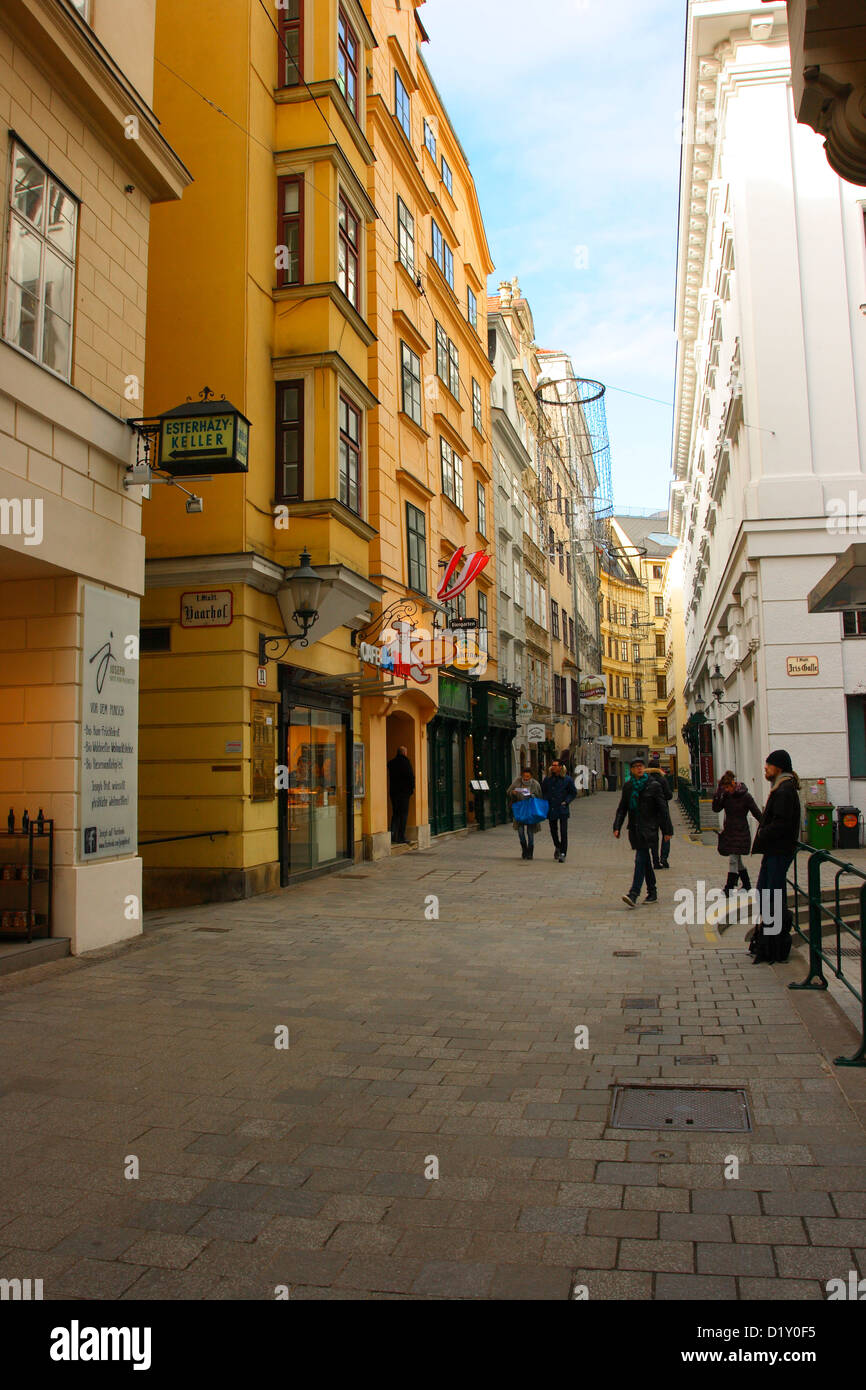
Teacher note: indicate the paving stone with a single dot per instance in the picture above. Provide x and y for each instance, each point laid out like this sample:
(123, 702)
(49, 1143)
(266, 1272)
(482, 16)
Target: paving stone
(364, 1238)
(100, 1243)
(704, 1287)
(731, 1201)
(614, 1284)
(677, 1256)
(642, 1225)
(801, 1203)
(164, 1251)
(375, 1274)
(527, 1282)
(840, 1231)
(813, 1261)
(230, 1225)
(455, 1279)
(694, 1226)
(771, 1230)
(296, 1232)
(735, 1259)
(781, 1290)
(95, 1279)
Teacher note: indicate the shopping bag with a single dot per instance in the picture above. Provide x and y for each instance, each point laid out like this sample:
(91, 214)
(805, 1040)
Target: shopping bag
(530, 811)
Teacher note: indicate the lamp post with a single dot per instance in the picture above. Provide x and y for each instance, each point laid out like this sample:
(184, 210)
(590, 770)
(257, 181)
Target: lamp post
(305, 586)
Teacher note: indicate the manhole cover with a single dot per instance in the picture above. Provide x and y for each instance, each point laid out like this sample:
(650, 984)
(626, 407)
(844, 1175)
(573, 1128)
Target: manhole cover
(640, 1001)
(680, 1107)
(213, 929)
(643, 1028)
(696, 1060)
(626, 953)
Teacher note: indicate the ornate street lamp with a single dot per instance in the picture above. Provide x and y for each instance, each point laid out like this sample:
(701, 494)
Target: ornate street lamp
(305, 587)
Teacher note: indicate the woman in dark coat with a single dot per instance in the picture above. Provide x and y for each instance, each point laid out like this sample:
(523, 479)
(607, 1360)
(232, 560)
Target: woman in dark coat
(735, 840)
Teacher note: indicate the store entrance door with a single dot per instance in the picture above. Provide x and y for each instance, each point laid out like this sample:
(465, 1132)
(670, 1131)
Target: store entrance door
(447, 754)
(315, 808)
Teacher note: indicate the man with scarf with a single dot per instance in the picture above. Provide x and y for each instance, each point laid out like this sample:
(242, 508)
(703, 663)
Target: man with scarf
(776, 840)
(644, 802)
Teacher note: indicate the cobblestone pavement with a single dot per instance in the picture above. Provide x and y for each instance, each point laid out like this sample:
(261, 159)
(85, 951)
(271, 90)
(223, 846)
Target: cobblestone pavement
(413, 1040)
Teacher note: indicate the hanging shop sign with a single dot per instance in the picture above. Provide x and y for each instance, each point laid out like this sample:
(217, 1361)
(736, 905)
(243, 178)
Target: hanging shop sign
(411, 653)
(454, 584)
(593, 690)
(525, 710)
(535, 733)
(109, 726)
(203, 437)
(802, 665)
(207, 608)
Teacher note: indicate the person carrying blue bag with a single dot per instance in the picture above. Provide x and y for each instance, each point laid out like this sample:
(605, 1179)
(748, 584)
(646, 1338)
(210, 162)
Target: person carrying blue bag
(528, 810)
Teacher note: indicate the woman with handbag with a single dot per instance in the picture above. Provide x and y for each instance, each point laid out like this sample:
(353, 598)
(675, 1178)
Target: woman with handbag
(524, 788)
(735, 839)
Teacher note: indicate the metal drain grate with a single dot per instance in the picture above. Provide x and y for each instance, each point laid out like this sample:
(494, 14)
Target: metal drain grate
(697, 1059)
(680, 1107)
(640, 1001)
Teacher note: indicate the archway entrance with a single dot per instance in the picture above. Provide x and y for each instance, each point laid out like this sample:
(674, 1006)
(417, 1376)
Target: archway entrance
(400, 733)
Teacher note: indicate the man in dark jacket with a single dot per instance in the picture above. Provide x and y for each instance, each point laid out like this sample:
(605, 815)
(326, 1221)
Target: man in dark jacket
(558, 791)
(401, 785)
(776, 840)
(661, 858)
(644, 802)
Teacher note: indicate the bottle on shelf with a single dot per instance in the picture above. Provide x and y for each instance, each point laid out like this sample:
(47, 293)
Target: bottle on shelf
(25, 822)
(10, 821)
(40, 822)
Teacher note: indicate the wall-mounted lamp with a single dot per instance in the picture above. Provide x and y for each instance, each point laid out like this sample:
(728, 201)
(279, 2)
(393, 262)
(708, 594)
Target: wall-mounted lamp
(717, 685)
(305, 586)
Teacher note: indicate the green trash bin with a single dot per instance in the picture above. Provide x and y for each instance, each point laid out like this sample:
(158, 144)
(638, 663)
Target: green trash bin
(819, 825)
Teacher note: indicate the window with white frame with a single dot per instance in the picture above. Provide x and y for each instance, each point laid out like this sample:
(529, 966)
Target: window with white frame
(402, 105)
(482, 612)
(472, 307)
(477, 419)
(406, 237)
(348, 60)
(447, 176)
(348, 276)
(452, 473)
(40, 270)
(350, 455)
(430, 138)
(447, 361)
(481, 496)
(411, 373)
(517, 585)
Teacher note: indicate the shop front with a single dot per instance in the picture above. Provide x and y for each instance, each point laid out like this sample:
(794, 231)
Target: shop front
(316, 822)
(447, 737)
(493, 729)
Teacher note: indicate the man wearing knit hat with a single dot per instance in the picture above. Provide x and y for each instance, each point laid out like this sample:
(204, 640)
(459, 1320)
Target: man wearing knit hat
(776, 841)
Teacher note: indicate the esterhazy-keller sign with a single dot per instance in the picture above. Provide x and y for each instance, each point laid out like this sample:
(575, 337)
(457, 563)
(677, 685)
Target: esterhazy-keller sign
(206, 608)
(109, 726)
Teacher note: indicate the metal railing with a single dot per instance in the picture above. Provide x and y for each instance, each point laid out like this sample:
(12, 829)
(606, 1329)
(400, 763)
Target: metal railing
(690, 800)
(170, 839)
(838, 957)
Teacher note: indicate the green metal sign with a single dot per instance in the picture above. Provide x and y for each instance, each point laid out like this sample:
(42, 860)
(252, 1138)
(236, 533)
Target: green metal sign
(202, 438)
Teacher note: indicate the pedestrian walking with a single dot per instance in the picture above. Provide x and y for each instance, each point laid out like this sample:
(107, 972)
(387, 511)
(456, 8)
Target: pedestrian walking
(521, 789)
(401, 787)
(661, 849)
(559, 791)
(776, 841)
(645, 807)
(735, 839)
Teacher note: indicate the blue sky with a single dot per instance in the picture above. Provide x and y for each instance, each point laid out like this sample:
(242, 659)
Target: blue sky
(571, 125)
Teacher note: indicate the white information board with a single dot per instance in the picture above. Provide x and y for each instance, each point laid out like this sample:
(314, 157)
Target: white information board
(109, 726)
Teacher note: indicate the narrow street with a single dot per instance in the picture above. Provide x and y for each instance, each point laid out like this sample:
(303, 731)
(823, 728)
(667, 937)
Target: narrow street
(415, 1043)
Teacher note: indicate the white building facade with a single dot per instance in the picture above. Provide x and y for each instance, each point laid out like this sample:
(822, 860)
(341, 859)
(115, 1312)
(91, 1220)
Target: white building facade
(769, 453)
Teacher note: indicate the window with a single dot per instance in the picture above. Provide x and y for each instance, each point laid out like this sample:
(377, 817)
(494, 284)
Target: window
(558, 499)
(663, 728)
(635, 654)
(530, 604)
(347, 62)
(568, 565)
(349, 253)
(452, 473)
(660, 644)
(554, 618)
(455, 609)
(447, 361)
(482, 612)
(40, 275)
(429, 139)
(623, 651)
(402, 105)
(571, 634)
(482, 509)
(290, 230)
(657, 571)
(854, 623)
(617, 682)
(856, 707)
(447, 176)
(438, 243)
(289, 486)
(635, 618)
(639, 722)
(476, 405)
(619, 726)
(290, 18)
(551, 545)
(411, 372)
(472, 308)
(659, 607)
(626, 726)
(416, 543)
(625, 694)
(638, 690)
(350, 455)
(517, 590)
(548, 483)
(406, 237)
(442, 254)
(448, 267)
(560, 556)
(621, 619)
(661, 687)
(542, 606)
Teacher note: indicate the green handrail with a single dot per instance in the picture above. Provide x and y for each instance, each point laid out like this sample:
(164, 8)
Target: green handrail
(818, 909)
(689, 799)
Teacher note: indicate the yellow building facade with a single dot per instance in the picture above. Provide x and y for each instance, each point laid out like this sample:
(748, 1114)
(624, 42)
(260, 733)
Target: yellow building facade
(320, 277)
